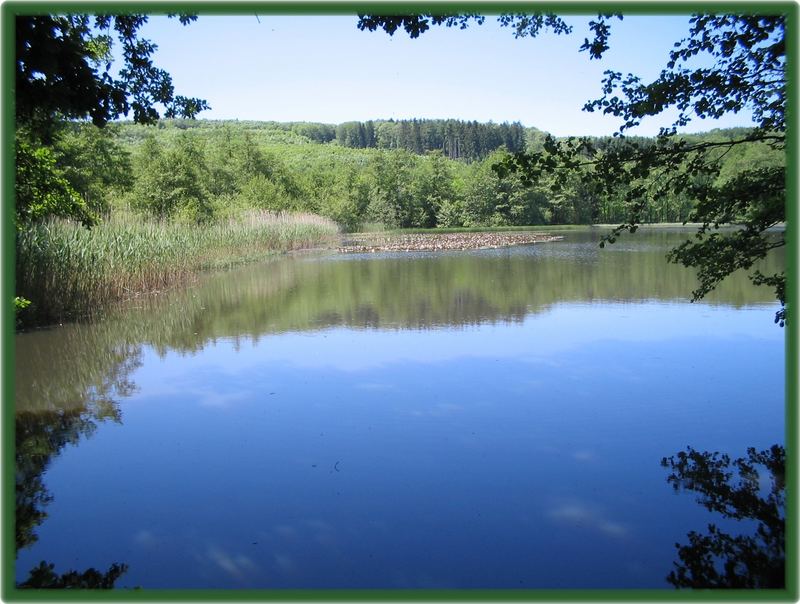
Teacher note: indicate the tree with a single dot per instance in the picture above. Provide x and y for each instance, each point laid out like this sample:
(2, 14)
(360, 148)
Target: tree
(64, 71)
(433, 186)
(342, 193)
(93, 162)
(742, 61)
(41, 189)
(392, 201)
(171, 181)
(414, 25)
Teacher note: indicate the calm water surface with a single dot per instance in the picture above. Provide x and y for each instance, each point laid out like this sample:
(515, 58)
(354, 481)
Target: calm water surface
(492, 418)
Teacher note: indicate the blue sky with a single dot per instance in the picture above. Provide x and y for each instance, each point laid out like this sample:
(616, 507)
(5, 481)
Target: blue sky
(307, 68)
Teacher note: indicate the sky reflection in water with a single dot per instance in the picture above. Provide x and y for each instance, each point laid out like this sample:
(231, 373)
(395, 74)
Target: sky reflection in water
(506, 453)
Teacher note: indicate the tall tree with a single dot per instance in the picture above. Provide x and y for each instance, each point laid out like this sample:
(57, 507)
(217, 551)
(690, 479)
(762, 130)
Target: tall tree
(369, 133)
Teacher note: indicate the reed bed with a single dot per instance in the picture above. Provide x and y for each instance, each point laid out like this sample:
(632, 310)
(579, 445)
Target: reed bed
(68, 271)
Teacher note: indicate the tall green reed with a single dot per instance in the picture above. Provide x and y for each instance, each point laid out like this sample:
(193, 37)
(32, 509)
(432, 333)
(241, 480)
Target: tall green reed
(68, 271)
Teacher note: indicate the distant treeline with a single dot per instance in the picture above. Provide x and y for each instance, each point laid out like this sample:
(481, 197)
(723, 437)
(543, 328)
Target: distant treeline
(456, 139)
(410, 173)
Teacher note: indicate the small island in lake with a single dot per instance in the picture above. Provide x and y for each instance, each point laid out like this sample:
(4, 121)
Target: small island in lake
(430, 242)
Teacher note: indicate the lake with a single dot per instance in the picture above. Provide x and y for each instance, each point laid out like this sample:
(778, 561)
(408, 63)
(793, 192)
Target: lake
(474, 419)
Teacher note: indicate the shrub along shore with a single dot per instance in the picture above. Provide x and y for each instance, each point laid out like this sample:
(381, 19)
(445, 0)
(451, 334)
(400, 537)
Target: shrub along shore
(68, 271)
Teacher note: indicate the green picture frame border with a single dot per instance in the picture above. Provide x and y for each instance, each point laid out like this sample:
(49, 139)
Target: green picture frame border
(10, 9)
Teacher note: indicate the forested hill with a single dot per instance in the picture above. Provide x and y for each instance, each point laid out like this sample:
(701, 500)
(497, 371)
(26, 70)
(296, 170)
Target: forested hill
(456, 139)
(202, 171)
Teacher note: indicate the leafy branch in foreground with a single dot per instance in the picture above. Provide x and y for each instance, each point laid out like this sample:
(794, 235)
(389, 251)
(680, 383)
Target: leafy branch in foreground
(522, 24)
(727, 64)
(64, 70)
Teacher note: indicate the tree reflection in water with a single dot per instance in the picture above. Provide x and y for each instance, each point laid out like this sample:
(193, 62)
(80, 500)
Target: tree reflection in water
(40, 437)
(736, 490)
(44, 577)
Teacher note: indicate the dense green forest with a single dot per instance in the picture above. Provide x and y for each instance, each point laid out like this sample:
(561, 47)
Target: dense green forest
(403, 174)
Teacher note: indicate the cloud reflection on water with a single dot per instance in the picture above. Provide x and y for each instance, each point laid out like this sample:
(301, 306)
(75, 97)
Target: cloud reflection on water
(583, 515)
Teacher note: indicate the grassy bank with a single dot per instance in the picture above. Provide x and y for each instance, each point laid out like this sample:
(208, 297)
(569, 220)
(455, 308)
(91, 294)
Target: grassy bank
(68, 271)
